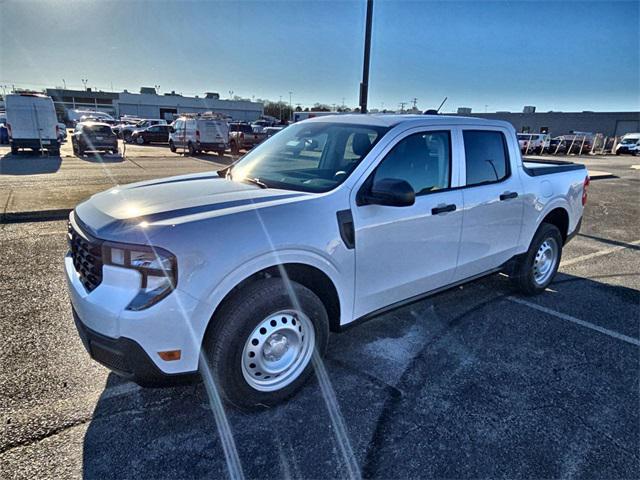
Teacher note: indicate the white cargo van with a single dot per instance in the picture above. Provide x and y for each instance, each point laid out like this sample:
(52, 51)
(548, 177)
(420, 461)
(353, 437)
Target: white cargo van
(200, 133)
(32, 122)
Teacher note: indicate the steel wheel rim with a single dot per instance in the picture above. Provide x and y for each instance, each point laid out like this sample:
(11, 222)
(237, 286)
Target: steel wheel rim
(545, 261)
(278, 350)
(140, 140)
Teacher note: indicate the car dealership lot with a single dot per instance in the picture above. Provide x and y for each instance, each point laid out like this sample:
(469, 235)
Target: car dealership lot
(474, 382)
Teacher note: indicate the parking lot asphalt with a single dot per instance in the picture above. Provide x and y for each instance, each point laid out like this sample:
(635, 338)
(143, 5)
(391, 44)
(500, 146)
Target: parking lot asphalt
(475, 382)
(43, 187)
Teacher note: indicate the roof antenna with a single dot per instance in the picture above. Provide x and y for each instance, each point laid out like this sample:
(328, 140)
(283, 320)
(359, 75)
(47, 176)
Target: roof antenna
(431, 111)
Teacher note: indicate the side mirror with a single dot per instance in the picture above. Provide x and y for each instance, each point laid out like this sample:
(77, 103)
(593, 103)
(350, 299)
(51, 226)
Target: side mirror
(391, 192)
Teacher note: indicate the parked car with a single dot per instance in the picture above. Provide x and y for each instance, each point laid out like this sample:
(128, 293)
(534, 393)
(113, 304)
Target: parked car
(533, 143)
(243, 276)
(154, 134)
(199, 134)
(579, 144)
(630, 143)
(75, 116)
(271, 131)
(93, 136)
(4, 133)
(126, 131)
(242, 136)
(62, 132)
(32, 122)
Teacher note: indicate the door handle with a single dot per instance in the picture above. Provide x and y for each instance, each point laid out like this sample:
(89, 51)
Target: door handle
(508, 195)
(446, 208)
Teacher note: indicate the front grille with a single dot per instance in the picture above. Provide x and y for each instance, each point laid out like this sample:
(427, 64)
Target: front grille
(86, 253)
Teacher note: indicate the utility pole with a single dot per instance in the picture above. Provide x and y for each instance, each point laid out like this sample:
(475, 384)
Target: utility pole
(364, 85)
(280, 105)
(415, 102)
(290, 109)
(230, 94)
(84, 83)
(64, 84)
(402, 104)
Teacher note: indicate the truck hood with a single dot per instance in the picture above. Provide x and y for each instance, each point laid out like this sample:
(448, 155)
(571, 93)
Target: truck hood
(170, 201)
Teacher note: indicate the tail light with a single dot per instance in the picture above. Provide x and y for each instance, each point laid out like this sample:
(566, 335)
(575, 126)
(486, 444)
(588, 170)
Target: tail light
(198, 135)
(585, 187)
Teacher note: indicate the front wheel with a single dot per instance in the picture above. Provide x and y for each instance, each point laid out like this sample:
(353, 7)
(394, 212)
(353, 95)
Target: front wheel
(535, 269)
(140, 140)
(260, 345)
(192, 149)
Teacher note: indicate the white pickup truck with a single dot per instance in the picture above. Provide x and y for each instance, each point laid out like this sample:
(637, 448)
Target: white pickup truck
(243, 273)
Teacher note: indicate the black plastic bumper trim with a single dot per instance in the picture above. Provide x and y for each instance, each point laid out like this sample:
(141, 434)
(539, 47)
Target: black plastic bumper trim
(127, 359)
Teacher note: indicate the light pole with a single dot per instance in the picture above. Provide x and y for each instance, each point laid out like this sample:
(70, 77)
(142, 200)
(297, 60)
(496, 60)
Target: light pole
(364, 86)
(280, 105)
(230, 94)
(157, 89)
(290, 109)
(64, 84)
(84, 82)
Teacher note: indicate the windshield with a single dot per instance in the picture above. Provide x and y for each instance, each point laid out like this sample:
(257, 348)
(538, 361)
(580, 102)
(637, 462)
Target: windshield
(310, 157)
(630, 140)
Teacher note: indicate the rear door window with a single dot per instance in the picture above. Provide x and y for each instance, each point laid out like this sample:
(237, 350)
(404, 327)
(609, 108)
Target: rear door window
(486, 155)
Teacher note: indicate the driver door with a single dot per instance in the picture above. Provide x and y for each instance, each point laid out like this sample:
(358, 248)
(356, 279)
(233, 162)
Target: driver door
(402, 252)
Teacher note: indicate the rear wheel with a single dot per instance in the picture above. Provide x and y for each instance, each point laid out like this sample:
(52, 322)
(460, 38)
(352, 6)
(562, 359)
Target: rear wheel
(192, 149)
(234, 148)
(14, 150)
(220, 153)
(535, 269)
(172, 147)
(140, 140)
(260, 344)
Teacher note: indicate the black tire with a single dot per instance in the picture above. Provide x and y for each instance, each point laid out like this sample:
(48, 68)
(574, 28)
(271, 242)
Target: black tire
(55, 152)
(232, 327)
(234, 148)
(524, 271)
(220, 153)
(172, 147)
(80, 151)
(14, 150)
(192, 149)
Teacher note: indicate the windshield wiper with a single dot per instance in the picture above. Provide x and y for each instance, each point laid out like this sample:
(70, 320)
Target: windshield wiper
(255, 181)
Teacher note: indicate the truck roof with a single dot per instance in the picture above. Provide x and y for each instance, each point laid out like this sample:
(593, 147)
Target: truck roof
(391, 120)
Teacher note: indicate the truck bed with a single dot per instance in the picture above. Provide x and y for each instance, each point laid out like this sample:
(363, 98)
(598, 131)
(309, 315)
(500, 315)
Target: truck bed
(535, 168)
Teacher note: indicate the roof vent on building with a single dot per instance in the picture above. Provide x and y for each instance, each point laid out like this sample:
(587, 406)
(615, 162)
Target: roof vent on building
(529, 109)
(212, 95)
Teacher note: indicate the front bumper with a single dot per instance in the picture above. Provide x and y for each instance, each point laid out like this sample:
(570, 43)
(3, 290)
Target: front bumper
(133, 339)
(126, 358)
(625, 149)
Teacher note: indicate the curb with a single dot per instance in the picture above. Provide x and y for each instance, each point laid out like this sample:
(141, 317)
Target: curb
(37, 216)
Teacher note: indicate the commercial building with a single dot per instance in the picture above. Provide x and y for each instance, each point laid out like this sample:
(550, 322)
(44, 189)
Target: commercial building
(150, 105)
(167, 106)
(565, 123)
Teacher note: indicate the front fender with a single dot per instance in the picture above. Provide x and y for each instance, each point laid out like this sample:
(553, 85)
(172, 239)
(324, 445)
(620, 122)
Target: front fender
(216, 294)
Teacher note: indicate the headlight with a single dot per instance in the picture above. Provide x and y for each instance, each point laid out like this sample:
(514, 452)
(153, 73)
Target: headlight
(158, 268)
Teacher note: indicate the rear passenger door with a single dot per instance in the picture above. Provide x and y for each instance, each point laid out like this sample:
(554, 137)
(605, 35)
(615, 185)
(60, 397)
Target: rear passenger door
(493, 201)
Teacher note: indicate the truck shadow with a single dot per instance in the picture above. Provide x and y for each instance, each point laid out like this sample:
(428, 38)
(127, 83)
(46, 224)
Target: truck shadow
(29, 164)
(464, 374)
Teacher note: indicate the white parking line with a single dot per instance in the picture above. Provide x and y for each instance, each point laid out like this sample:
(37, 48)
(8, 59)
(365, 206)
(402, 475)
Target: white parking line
(607, 251)
(577, 321)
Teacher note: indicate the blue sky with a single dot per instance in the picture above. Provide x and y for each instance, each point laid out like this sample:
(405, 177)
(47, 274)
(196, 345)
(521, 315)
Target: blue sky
(495, 55)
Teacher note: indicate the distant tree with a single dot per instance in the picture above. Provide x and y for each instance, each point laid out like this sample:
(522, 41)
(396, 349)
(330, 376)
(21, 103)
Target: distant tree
(298, 108)
(280, 110)
(319, 107)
